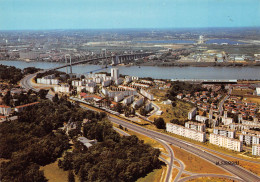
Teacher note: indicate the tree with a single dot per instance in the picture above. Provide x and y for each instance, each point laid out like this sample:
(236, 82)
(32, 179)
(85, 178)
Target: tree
(119, 107)
(121, 127)
(173, 104)
(71, 177)
(55, 98)
(7, 98)
(143, 111)
(42, 93)
(159, 123)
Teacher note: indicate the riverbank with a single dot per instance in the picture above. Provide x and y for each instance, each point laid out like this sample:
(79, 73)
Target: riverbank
(165, 64)
(156, 72)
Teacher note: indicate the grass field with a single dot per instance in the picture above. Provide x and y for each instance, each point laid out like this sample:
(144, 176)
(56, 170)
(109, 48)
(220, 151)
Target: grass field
(184, 175)
(159, 94)
(155, 176)
(210, 179)
(196, 164)
(176, 163)
(54, 174)
(179, 112)
(174, 173)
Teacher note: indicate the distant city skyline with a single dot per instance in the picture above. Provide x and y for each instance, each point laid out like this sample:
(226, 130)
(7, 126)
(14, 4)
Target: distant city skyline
(117, 14)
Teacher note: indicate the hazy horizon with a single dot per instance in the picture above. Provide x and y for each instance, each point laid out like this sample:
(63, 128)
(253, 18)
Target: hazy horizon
(129, 14)
(112, 29)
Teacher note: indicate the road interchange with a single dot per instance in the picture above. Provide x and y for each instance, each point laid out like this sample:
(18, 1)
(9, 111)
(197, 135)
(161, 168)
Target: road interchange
(238, 171)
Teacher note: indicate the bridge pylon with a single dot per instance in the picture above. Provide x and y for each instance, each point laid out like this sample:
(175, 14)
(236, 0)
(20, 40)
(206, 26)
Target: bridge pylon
(67, 63)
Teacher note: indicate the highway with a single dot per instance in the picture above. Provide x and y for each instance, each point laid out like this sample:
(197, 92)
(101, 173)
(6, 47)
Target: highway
(189, 147)
(236, 170)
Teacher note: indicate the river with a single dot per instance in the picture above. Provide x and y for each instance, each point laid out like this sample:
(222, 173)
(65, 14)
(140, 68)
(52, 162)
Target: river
(156, 72)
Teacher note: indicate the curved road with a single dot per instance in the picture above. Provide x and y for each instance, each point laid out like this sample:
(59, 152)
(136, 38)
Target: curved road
(236, 170)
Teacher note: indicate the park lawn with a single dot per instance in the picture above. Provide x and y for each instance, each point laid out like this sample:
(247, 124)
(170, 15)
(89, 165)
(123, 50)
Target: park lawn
(196, 164)
(253, 167)
(210, 179)
(183, 175)
(157, 175)
(174, 173)
(54, 174)
(180, 111)
(176, 163)
(159, 94)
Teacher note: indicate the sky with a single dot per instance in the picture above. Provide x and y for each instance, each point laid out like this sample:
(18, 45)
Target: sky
(114, 14)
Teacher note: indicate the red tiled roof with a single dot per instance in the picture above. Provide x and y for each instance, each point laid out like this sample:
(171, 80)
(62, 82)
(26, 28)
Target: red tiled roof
(4, 106)
(26, 105)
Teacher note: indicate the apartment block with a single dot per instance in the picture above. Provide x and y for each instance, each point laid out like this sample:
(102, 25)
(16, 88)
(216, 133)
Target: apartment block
(5, 110)
(119, 97)
(138, 102)
(146, 94)
(192, 113)
(256, 150)
(224, 132)
(201, 118)
(249, 139)
(186, 132)
(195, 126)
(229, 143)
(128, 100)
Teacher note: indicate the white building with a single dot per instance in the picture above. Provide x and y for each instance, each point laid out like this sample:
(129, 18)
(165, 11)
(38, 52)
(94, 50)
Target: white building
(138, 102)
(77, 83)
(140, 85)
(195, 126)
(148, 106)
(119, 97)
(88, 143)
(146, 81)
(258, 91)
(128, 100)
(256, 150)
(229, 143)
(192, 113)
(147, 94)
(252, 132)
(106, 83)
(224, 132)
(249, 139)
(90, 89)
(126, 87)
(114, 73)
(226, 120)
(62, 89)
(128, 79)
(201, 118)
(241, 127)
(5, 110)
(47, 81)
(186, 132)
(119, 81)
